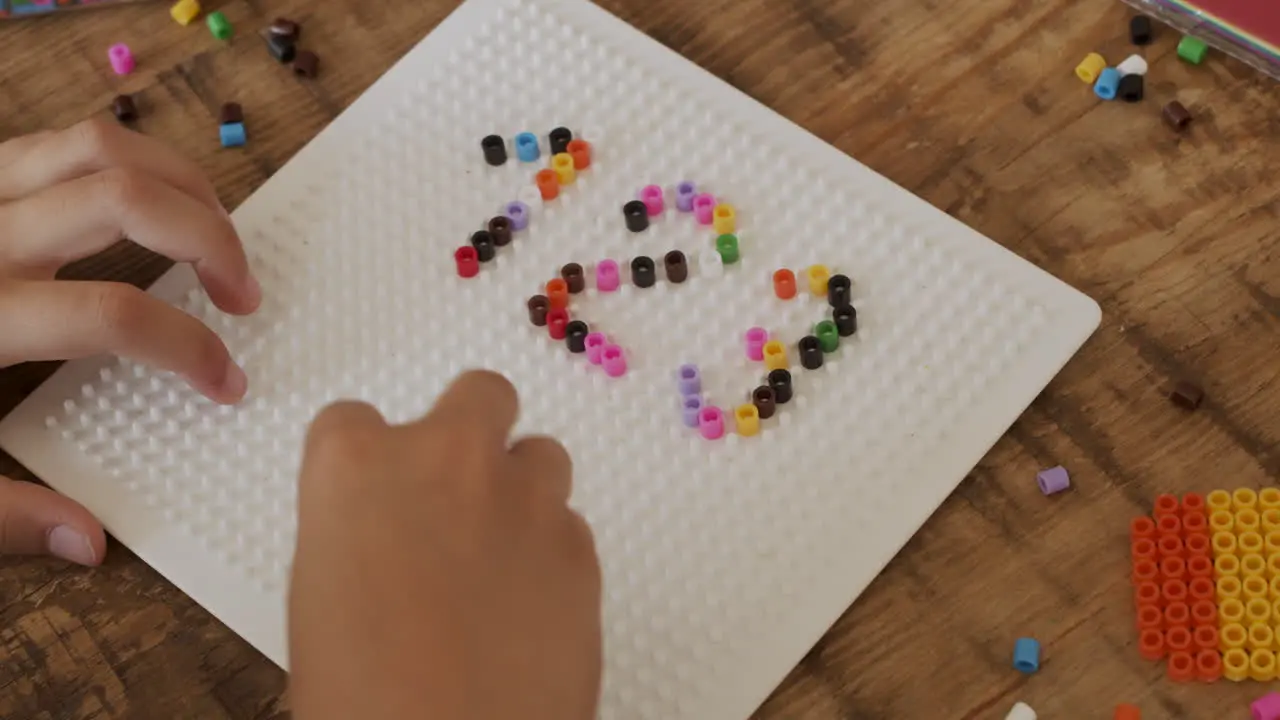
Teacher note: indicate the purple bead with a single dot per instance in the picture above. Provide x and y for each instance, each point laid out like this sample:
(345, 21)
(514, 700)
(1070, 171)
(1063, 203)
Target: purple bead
(685, 193)
(518, 212)
(692, 408)
(1266, 707)
(690, 380)
(1053, 480)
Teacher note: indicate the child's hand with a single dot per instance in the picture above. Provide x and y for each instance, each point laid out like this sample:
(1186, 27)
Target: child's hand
(67, 195)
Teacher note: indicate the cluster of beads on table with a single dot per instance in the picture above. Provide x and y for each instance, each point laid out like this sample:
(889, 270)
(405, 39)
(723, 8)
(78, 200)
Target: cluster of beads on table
(1126, 80)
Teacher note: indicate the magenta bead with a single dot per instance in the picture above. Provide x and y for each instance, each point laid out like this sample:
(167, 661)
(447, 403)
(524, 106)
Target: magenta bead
(1266, 707)
(685, 193)
(615, 363)
(607, 276)
(757, 338)
(121, 58)
(704, 208)
(652, 198)
(596, 344)
(711, 423)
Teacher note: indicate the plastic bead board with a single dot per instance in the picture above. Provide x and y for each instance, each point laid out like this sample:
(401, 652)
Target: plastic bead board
(724, 561)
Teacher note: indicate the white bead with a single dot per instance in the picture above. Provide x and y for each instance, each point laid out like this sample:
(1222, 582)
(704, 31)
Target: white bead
(1021, 711)
(1132, 65)
(711, 263)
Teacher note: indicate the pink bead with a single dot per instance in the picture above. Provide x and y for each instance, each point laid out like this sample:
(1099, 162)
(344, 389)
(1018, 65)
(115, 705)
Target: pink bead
(1266, 707)
(652, 198)
(615, 363)
(596, 344)
(607, 276)
(704, 208)
(756, 339)
(711, 423)
(121, 59)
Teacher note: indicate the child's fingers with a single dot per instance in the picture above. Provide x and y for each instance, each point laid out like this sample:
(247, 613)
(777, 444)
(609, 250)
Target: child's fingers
(28, 165)
(60, 319)
(79, 218)
(35, 520)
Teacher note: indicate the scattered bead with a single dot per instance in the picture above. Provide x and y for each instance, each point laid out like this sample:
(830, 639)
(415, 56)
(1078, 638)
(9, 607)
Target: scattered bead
(615, 363)
(755, 340)
(468, 262)
(539, 307)
(184, 11)
(558, 293)
(1125, 711)
(711, 423)
(608, 278)
(784, 284)
(839, 291)
(643, 272)
(689, 380)
(580, 151)
(1133, 65)
(1026, 655)
(1021, 711)
(1131, 88)
(1140, 30)
(764, 401)
(810, 352)
(677, 266)
(780, 383)
(548, 184)
(576, 336)
(595, 343)
(560, 139)
(636, 215)
(775, 355)
(1089, 68)
(1176, 115)
(727, 247)
(691, 411)
(574, 276)
(219, 25)
(653, 198)
(747, 419)
(557, 323)
(1053, 480)
(230, 113)
(232, 135)
(1186, 395)
(1266, 707)
(1107, 85)
(282, 49)
(563, 165)
(124, 109)
(306, 64)
(121, 58)
(726, 219)
(818, 276)
(286, 28)
(500, 230)
(1192, 49)
(519, 214)
(704, 207)
(527, 147)
(482, 241)
(685, 193)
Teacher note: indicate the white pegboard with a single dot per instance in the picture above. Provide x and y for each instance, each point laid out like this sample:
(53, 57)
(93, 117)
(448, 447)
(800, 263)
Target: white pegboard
(724, 561)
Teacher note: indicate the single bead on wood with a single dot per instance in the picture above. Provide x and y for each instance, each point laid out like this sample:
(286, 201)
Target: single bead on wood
(1187, 395)
(1177, 116)
(282, 49)
(306, 64)
(124, 109)
(230, 113)
(285, 28)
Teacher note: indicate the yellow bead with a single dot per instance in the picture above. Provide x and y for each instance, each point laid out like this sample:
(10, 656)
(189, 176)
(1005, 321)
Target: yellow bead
(1248, 543)
(1226, 566)
(1235, 665)
(1252, 565)
(1254, 587)
(725, 219)
(1273, 568)
(1258, 611)
(184, 11)
(1089, 68)
(563, 165)
(748, 419)
(1271, 542)
(1218, 500)
(1232, 637)
(1222, 521)
(1275, 608)
(818, 277)
(1270, 520)
(1248, 520)
(1230, 611)
(775, 355)
(1228, 587)
(1269, 499)
(1224, 543)
(1262, 665)
(1244, 498)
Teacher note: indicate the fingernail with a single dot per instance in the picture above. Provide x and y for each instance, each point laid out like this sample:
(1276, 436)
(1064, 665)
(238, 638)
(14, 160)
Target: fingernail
(235, 383)
(69, 544)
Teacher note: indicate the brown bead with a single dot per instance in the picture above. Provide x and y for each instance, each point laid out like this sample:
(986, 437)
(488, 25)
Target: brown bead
(124, 109)
(285, 28)
(1186, 395)
(230, 113)
(306, 64)
(500, 229)
(1176, 115)
(539, 306)
(574, 277)
(765, 402)
(677, 266)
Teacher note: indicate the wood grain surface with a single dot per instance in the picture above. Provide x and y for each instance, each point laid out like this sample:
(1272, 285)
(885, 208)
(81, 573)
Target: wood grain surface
(972, 105)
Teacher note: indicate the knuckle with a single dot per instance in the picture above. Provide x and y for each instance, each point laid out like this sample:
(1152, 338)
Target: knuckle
(345, 431)
(119, 309)
(495, 384)
(122, 188)
(95, 138)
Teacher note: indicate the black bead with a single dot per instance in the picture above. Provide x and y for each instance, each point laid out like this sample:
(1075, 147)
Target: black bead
(810, 352)
(500, 229)
(643, 272)
(283, 27)
(1140, 30)
(839, 290)
(539, 306)
(282, 48)
(846, 319)
(230, 113)
(637, 215)
(780, 383)
(764, 401)
(574, 277)
(495, 150)
(1131, 88)
(560, 139)
(483, 243)
(575, 336)
(124, 109)
(677, 266)
(306, 64)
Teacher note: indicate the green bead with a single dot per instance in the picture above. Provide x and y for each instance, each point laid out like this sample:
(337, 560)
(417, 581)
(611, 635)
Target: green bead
(1192, 49)
(727, 246)
(828, 336)
(219, 25)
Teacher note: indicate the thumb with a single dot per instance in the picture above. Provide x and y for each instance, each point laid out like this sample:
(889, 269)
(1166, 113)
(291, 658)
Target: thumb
(35, 520)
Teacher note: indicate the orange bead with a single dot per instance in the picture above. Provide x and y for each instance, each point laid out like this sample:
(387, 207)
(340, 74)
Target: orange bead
(580, 151)
(1166, 505)
(1173, 568)
(1128, 712)
(1142, 549)
(1151, 644)
(1201, 588)
(1204, 612)
(1178, 640)
(1198, 545)
(784, 286)
(1140, 527)
(1174, 591)
(1193, 503)
(548, 184)
(1144, 570)
(1195, 523)
(1177, 616)
(1150, 618)
(558, 294)
(1205, 637)
(1208, 668)
(1199, 566)
(1182, 667)
(1171, 546)
(1147, 593)
(1168, 525)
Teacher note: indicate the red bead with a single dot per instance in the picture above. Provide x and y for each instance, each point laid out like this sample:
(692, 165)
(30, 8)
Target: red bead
(558, 323)
(468, 261)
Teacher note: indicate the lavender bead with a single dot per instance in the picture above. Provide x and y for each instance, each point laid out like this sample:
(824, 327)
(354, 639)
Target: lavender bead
(692, 408)
(1053, 480)
(685, 193)
(519, 214)
(690, 380)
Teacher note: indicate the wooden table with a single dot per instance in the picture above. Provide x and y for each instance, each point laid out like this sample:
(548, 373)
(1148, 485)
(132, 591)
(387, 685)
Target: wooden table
(971, 105)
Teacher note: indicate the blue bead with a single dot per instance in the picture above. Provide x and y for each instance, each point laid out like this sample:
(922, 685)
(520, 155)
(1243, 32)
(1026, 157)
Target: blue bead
(1026, 655)
(527, 147)
(1107, 85)
(233, 135)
